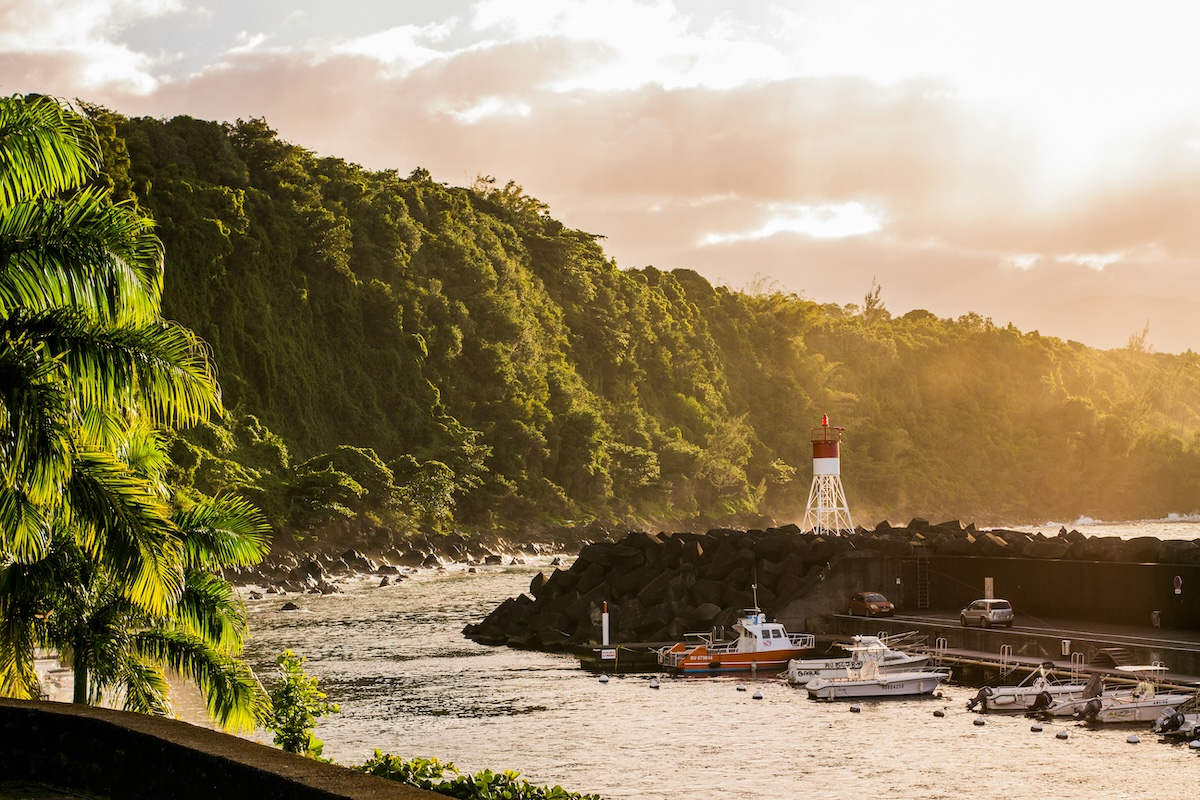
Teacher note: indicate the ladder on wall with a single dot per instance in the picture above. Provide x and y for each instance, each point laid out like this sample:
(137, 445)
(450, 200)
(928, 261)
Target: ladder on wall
(922, 576)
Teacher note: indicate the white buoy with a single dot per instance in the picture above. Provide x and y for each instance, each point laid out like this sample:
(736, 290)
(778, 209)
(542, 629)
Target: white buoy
(603, 678)
(1194, 744)
(980, 721)
(654, 683)
(854, 709)
(1036, 728)
(741, 687)
(1132, 738)
(939, 713)
(1062, 735)
(757, 695)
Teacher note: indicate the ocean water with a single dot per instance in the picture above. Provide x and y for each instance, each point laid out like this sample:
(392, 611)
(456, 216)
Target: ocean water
(409, 683)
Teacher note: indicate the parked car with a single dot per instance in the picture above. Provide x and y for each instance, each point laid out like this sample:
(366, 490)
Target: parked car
(986, 613)
(870, 604)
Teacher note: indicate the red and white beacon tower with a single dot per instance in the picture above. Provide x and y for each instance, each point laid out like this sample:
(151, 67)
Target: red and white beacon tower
(827, 511)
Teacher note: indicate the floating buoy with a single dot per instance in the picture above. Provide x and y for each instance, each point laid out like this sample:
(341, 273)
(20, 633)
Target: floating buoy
(654, 683)
(854, 709)
(1062, 735)
(741, 687)
(1194, 744)
(603, 678)
(939, 713)
(980, 721)
(1132, 738)
(1036, 728)
(757, 695)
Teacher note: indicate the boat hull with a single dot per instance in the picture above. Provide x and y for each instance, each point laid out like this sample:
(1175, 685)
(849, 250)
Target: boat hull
(712, 663)
(1023, 698)
(800, 672)
(899, 684)
(1119, 708)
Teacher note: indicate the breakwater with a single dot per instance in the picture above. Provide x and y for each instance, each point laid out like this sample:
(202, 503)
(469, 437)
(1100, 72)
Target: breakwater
(659, 586)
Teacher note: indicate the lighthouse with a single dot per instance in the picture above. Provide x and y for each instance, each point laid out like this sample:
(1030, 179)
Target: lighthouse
(827, 511)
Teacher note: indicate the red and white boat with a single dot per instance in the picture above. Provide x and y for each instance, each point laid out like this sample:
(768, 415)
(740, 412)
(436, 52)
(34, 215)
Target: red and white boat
(759, 645)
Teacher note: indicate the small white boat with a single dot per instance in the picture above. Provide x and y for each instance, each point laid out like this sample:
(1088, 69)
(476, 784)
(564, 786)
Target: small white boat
(1144, 702)
(1040, 689)
(800, 671)
(868, 680)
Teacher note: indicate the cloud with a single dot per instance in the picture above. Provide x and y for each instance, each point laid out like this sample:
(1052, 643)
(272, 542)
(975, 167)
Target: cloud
(717, 143)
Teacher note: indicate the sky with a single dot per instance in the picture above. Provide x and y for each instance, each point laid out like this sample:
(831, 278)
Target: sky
(1037, 163)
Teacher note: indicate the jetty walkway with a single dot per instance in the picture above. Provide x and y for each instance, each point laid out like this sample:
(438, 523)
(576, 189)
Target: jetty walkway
(989, 655)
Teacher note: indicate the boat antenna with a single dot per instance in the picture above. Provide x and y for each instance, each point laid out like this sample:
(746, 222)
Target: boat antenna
(754, 588)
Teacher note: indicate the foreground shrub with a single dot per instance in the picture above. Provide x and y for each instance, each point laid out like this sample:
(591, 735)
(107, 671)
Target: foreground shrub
(444, 778)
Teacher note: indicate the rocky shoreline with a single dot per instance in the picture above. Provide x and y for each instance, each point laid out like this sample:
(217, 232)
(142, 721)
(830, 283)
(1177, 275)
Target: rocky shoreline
(321, 567)
(660, 586)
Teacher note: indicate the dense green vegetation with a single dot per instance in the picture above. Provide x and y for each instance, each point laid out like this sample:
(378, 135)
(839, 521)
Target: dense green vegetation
(399, 353)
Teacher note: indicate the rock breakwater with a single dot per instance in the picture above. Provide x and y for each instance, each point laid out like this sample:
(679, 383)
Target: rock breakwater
(659, 586)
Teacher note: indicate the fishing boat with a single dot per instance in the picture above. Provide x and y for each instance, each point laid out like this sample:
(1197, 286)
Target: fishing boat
(868, 680)
(1144, 702)
(1040, 689)
(760, 645)
(896, 657)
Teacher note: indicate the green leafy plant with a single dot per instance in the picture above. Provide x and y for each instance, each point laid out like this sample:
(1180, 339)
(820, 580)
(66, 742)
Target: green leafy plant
(296, 704)
(444, 778)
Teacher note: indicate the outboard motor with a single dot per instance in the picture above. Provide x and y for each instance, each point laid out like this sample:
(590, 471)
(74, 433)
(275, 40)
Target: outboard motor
(1170, 720)
(1090, 710)
(1041, 701)
(980, 698)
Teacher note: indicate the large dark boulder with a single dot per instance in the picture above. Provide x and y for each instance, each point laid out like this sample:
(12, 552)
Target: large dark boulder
(1144, 550)
(1180, 552)
(1046, 548)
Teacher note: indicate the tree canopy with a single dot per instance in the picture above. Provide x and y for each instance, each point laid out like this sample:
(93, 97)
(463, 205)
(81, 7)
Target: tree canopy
(503, 372)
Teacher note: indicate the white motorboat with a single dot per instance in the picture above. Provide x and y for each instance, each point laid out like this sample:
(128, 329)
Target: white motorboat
(1144, 702)
(868, 680)
(1040, 689)
(893, 659)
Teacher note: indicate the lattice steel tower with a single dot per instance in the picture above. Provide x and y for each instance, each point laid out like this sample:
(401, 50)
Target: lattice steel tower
(827, 511)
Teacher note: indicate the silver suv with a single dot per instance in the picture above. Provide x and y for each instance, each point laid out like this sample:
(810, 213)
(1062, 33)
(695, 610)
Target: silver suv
(986, 613)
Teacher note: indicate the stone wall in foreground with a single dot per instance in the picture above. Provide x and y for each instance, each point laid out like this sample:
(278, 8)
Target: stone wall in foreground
(99, 752)
(659, 586)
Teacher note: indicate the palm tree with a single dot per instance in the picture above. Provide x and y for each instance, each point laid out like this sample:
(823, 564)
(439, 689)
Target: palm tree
(91, 559)
(82, 343)
(118, 651)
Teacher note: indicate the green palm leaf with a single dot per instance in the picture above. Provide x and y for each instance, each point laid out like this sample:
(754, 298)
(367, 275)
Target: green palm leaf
(236, 699)
(122, 521)
(44, 148)
(225, 531)
(80, 252)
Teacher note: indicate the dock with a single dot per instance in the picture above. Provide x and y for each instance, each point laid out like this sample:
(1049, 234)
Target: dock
(981, 655)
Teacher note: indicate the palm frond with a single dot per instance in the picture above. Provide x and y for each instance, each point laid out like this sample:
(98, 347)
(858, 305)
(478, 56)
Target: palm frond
(235, 697)
(35, 438)
(123, 522)
(81, 252)
(45, 148)
(211, 610)
(146, 688)
(225, 531)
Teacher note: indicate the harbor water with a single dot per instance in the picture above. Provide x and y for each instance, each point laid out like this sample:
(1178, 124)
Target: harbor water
(410, 684)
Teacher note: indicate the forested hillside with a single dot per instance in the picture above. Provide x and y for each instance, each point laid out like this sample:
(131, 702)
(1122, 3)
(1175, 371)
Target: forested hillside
(397, 352)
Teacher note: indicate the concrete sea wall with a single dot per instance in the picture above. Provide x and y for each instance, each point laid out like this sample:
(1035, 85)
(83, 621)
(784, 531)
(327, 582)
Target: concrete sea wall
(105, 753)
